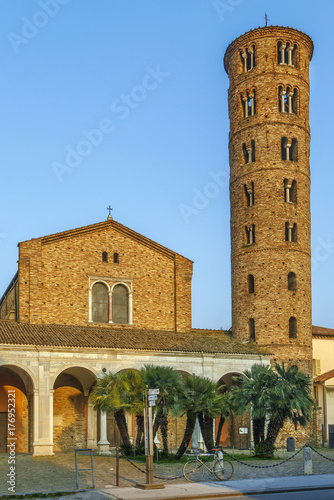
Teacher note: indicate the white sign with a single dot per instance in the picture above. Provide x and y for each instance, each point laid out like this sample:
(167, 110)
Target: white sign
(152, 397)
(153, 391)
(243, 430)
(151, 403)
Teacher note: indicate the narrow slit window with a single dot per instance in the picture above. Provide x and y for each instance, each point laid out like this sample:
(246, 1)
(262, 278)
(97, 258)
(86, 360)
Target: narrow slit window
(292, 328)
(116, 258)
(245, 152)
(104, 256)
(249, 104)
(292, 282)
(251, 287)
(251, 329)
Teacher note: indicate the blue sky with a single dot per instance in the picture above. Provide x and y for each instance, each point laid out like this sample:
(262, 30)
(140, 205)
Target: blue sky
(149, 75)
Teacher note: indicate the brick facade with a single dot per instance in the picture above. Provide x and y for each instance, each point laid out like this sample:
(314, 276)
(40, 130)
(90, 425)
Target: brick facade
(55, 273)
(270, 258)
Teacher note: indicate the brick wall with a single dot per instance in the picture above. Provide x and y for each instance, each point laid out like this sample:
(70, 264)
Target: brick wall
(54, 277)
(271, 258)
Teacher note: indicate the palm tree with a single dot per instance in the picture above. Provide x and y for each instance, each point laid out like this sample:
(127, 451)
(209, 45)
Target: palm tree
(131, 388)
(107, 396)
(168, 381)
(199, 398)
(279, 395)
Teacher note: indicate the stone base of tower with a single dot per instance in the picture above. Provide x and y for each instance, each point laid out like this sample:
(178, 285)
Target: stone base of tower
(311, 434)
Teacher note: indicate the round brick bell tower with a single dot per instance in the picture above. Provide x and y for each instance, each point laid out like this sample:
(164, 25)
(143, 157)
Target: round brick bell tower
(269, 147)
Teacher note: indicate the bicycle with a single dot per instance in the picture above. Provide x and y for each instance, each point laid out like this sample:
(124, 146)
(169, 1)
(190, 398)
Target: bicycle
(194, 469)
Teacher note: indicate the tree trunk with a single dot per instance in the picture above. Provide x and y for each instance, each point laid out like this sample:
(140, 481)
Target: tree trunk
(206, 425)
(164, 434)
(190, 426)
(273, 429)
(123, 428)
(140, 430)
(258, 430)
(220, 428)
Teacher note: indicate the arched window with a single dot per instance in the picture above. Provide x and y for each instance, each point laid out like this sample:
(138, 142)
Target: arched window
(289, 149)
(248, 103)
(287, 53)
(250, 234)
(116, 258)
(249, 192)
(291, 232)
(292, 328)
(104, 256)
(249, 152)
(248, 58)
(100, 303)
(292, 282)
(120, 313)
(290, 191)
(251, 329)
(251, 283)
(287, 100)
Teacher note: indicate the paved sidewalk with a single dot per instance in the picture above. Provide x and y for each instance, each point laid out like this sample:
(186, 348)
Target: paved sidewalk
(220, 490)
(55, 474)
(187, 490)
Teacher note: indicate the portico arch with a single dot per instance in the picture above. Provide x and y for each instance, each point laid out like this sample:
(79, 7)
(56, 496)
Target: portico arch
(74, 420)
(16, 398)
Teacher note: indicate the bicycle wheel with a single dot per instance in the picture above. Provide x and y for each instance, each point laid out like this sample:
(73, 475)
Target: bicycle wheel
(223, 470)
(193, 470)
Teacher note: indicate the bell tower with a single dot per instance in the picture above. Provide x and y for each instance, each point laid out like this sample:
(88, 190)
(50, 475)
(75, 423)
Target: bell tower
(269, 146)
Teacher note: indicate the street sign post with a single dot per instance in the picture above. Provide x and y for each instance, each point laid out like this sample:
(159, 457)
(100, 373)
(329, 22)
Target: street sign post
(150, 397)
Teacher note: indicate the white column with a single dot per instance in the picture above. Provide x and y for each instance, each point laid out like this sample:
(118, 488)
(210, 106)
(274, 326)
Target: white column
(290, 227)
(251, 96)
(289, 50)
(130, 305)
(283, 53)
(110, 307)
(290, 95)
(245, 99)
(90, 315)
(288, 150)
(287, 193)
(91, 440)
(250, 194)
(283, 93)
(251, 53)
(103, 444)
(244, 56)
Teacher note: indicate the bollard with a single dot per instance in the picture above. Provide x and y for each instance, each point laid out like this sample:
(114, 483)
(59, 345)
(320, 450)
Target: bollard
(117, 466)
(307, 460)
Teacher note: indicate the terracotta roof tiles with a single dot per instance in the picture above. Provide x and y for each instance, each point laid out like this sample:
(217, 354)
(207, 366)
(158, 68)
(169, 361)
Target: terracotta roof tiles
(15, 333)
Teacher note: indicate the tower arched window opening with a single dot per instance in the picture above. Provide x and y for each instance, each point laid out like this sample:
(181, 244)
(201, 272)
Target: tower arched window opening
(292, 282)
(250, 234)
(287, 53)
(289, 149)
(248, 152)
(251, 284)
(292, 328)
(249, 192)
(251, 324)
(116, 258)
(290, 232)
(290, 191)
(287, 100)
(248, 58)
(104, 256)
(249, 103)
